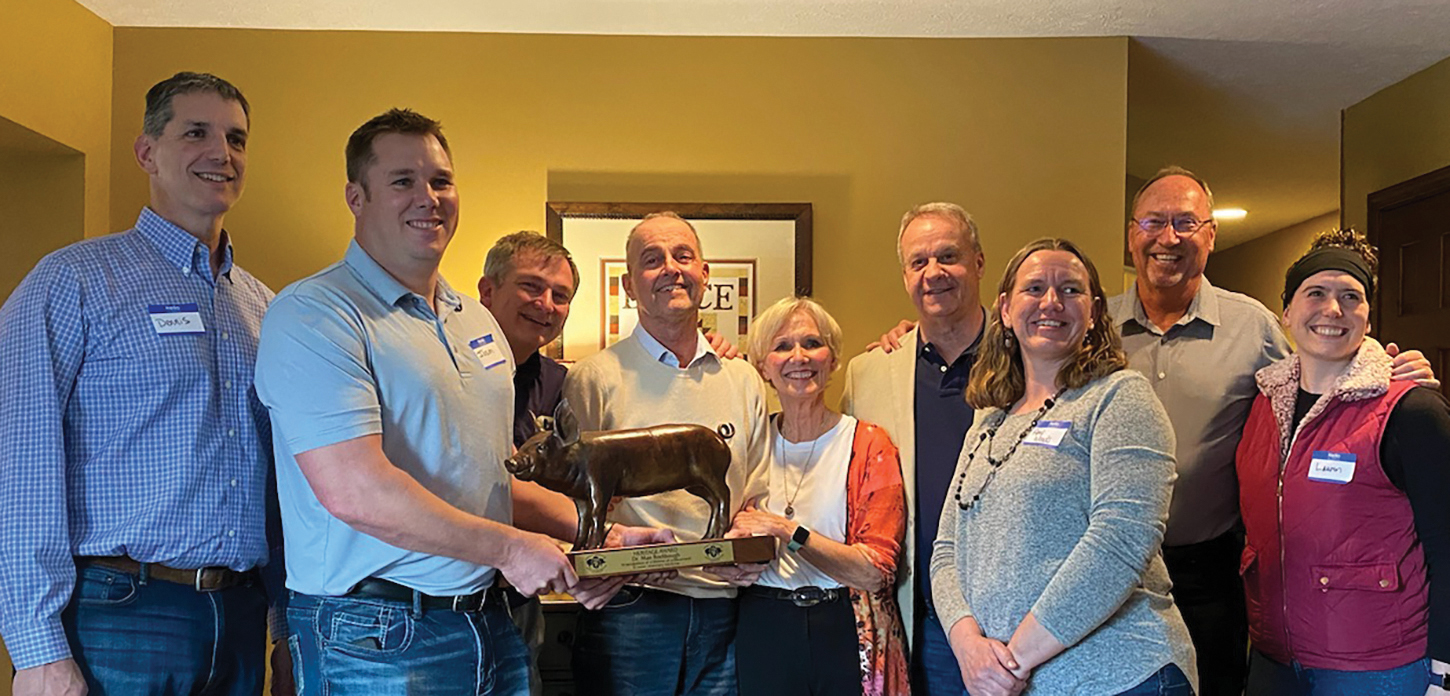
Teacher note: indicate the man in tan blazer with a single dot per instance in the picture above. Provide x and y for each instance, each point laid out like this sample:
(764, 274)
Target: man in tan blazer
(915, 393)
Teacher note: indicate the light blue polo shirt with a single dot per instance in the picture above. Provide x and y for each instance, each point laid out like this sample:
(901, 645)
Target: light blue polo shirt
(350, 352)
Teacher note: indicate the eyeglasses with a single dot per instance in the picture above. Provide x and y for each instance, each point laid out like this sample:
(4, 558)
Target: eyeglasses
(1184, 226)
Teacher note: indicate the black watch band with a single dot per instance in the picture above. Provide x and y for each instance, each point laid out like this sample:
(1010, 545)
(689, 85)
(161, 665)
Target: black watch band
(798, 539)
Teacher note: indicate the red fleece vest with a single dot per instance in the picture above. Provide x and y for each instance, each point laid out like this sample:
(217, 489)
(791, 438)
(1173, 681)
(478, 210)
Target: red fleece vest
(1334, 573)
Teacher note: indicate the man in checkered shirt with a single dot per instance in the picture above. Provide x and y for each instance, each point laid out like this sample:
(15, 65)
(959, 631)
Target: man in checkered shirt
(135, 463)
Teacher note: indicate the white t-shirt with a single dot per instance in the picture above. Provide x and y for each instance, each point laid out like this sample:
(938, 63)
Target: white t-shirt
(815, 486)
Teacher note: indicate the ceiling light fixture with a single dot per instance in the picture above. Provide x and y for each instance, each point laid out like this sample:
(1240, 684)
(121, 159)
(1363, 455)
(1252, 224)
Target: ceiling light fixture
(1229, 213)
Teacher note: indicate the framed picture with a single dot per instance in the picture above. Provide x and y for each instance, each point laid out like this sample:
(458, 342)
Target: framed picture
(758, 253)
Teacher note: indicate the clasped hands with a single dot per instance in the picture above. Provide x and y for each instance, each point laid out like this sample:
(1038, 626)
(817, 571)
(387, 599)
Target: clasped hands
(993, 668)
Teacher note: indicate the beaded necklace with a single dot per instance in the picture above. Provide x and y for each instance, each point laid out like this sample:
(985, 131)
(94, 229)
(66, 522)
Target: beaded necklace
(996, 464)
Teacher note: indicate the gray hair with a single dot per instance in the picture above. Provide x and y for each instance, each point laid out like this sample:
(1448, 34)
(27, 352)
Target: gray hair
(966, 226)
(159, 97)
(769, 321)
(634, 231)
(500, 259)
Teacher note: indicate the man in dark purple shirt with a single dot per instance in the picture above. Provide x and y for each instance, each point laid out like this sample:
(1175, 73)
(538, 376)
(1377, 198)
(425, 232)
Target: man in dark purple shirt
(528, 281)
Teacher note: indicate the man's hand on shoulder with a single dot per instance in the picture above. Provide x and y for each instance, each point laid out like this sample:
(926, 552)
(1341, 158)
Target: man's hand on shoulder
(891, 340)
(1411, 365)
(61, 678)
(721, 345)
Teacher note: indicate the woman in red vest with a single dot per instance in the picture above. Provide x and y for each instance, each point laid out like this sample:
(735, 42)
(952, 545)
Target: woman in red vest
(1342, 477)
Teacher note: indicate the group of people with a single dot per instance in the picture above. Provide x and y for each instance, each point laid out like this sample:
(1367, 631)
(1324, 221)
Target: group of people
(1061, 492)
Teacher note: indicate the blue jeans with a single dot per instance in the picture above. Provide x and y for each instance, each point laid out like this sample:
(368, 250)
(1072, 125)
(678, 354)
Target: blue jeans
(343, 646)
(158, 637)
(1268, 677)
(934, 669)
(655, 643)
(1169, 681)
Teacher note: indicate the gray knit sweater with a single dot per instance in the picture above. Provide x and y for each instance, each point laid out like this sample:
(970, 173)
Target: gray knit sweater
(1072, 534)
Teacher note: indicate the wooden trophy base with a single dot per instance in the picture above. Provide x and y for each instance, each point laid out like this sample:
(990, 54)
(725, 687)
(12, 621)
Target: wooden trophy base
(600, 563)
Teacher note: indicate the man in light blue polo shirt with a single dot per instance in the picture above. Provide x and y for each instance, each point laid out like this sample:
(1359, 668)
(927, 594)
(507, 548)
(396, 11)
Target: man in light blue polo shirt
(391, 397)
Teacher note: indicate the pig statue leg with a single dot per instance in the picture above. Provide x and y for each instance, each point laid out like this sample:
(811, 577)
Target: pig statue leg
(598, 510)
(717, 495)
(581, 537)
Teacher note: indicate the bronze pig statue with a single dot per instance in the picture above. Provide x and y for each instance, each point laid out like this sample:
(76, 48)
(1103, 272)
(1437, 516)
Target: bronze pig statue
(594, 467)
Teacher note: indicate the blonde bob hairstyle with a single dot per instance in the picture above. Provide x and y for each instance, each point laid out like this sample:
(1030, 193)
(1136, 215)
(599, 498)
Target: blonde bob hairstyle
(998, 378)
(770, 320)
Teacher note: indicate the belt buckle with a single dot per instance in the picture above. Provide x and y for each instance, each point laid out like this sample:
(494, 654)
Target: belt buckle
(196, 580)
(467, 604)
(808, 596)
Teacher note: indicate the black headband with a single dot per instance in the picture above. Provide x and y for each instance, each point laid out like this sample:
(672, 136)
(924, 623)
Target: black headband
(1328, 259)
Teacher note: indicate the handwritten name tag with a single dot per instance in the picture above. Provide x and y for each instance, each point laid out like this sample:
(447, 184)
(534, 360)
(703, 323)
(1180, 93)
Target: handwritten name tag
(487, 351)
(1047, 434)
(1332, 467)
(176, 318)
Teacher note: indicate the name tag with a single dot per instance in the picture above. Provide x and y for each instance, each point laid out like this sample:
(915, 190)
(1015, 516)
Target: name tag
(1332, 467)
(1047, 434)
(487, 351)
(176, 318)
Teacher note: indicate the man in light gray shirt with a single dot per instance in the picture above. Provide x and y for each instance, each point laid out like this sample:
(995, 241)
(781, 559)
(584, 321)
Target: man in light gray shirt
(1200, 346)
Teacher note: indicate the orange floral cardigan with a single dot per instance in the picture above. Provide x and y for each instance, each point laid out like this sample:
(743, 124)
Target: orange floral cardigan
(876, 519)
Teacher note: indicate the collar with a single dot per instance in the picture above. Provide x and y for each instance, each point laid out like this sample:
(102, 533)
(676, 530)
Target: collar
(181, 248)
(385, 286)
(530, 366)
(1204, 305)
(923, 346)
(659, 352)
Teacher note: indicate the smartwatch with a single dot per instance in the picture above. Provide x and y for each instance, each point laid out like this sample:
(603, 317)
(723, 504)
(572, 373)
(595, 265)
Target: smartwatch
(798, 539)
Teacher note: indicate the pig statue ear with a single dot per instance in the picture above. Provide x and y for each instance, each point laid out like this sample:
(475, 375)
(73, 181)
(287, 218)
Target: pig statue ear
(566, 424)
(544, 424)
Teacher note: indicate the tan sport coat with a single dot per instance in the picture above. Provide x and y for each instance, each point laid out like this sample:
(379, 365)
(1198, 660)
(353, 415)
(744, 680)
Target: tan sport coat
(880, 389)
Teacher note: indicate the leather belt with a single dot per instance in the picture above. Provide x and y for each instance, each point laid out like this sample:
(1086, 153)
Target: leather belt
(807, 596)
(208, 579)
(378, 588)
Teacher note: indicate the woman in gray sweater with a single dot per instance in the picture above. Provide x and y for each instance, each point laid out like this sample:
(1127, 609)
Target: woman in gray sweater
(1047, 571)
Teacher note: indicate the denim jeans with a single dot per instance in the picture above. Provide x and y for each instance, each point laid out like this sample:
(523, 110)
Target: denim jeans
(1268, 677)
(158, 637)
(1169, 681)
(655, 643)
(344, 646)
(934, 669)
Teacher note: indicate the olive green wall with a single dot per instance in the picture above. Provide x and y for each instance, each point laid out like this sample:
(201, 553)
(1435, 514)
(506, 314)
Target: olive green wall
(1399, 133)
(1018, 131)
(55, 121)
(55, 127)
(1256, 268)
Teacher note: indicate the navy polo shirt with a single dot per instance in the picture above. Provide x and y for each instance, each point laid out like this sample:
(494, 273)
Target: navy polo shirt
(538, 388)
(942, 420)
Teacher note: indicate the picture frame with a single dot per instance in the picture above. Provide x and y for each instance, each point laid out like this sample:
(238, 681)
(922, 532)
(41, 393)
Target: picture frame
(758, 253)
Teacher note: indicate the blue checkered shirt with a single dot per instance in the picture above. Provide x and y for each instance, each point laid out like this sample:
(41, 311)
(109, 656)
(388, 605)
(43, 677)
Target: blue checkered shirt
(119, 440)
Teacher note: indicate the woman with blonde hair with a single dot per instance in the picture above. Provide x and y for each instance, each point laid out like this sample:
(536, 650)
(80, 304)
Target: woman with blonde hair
(1047, 569)
(821, 619)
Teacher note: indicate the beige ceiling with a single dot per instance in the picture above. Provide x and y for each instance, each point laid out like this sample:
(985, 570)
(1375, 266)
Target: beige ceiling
(1246, 92)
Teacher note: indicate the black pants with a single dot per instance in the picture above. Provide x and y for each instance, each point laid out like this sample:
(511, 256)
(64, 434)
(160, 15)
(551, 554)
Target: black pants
(785, 650)
(1210, 595)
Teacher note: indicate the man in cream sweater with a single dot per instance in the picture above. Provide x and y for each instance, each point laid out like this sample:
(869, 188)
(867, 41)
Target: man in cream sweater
(674, 638)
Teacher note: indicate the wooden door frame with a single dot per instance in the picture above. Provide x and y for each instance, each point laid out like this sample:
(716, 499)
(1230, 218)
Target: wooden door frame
(1403, 193)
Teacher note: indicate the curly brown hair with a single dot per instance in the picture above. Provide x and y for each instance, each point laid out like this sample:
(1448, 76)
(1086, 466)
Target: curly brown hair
(998, 377)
